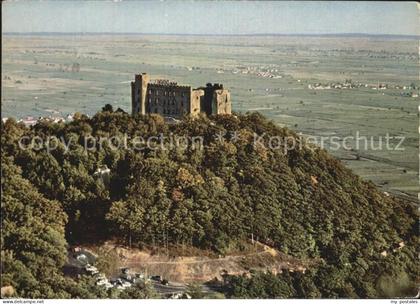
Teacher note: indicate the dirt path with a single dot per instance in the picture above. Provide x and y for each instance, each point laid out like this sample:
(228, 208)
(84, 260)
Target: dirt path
(206, 260)
(185, 269)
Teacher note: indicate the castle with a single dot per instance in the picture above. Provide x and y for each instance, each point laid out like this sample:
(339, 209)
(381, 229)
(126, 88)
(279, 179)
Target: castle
(172, 100)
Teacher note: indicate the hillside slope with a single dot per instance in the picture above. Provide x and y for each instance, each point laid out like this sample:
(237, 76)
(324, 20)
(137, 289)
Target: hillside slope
(302, 201)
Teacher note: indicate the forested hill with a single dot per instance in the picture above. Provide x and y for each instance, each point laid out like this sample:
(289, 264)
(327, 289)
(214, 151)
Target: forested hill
(302, 201)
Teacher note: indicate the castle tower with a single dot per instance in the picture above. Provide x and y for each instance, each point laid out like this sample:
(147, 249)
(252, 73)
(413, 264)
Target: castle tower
(221, 103)
(138, 94)
(216, 100)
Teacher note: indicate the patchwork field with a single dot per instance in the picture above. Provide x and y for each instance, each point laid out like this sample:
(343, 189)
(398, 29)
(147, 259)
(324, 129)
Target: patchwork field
(289, 79)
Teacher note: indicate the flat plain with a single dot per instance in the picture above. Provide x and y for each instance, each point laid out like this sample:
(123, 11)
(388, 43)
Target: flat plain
(301, 82)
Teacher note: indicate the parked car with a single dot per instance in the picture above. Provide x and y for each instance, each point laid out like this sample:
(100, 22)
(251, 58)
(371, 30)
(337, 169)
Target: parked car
(100, 276)
(82, 258)
(105, 283)
(156, 278)
(92, 270)
(75, 250)
(121, 284)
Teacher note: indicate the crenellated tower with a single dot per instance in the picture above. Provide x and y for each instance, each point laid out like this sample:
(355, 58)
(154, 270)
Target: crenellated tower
(139, 93)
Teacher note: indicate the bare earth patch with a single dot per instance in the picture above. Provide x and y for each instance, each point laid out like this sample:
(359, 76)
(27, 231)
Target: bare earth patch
(185, 269)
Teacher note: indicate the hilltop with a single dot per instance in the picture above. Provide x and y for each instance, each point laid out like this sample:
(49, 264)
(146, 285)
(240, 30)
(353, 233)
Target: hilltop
(229, 189)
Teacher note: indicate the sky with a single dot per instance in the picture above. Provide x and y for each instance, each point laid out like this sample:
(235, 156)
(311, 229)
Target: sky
(211, 17)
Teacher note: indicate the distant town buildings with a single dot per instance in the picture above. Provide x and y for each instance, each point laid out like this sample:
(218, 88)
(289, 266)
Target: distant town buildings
(349, 84)
(31, 121)
(172, 100)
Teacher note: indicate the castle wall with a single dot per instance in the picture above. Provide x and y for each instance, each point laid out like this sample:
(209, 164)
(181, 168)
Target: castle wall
(168, 100)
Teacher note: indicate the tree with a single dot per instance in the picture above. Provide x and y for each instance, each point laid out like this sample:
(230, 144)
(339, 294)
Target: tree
(195, 290)
(33, 244)
(108, 108)
(139, 291)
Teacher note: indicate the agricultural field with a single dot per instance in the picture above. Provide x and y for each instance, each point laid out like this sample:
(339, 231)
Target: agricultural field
(318, 86)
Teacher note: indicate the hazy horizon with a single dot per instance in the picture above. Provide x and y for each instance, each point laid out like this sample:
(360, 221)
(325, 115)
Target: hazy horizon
(207, 34)
(211, 17)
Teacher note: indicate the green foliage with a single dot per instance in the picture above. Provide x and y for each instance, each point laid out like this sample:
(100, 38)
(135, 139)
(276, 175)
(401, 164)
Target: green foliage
(107, 261)
(33, 247)
(139, 291)
(303, 202)
(195, 290)
(259, 285)
(108, 108)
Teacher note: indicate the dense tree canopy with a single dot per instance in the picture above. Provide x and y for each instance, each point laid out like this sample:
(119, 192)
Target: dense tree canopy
(302, 201)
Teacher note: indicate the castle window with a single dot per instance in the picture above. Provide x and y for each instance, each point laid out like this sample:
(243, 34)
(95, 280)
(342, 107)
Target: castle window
(156, 110)
(157, 100)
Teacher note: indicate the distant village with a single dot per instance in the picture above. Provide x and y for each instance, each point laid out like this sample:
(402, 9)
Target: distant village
(266, 71)
(30, 120)
(348, 84)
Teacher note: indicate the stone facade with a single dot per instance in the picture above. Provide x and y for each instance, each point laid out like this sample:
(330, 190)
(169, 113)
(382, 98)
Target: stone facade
(216, 99)
(172, 100)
